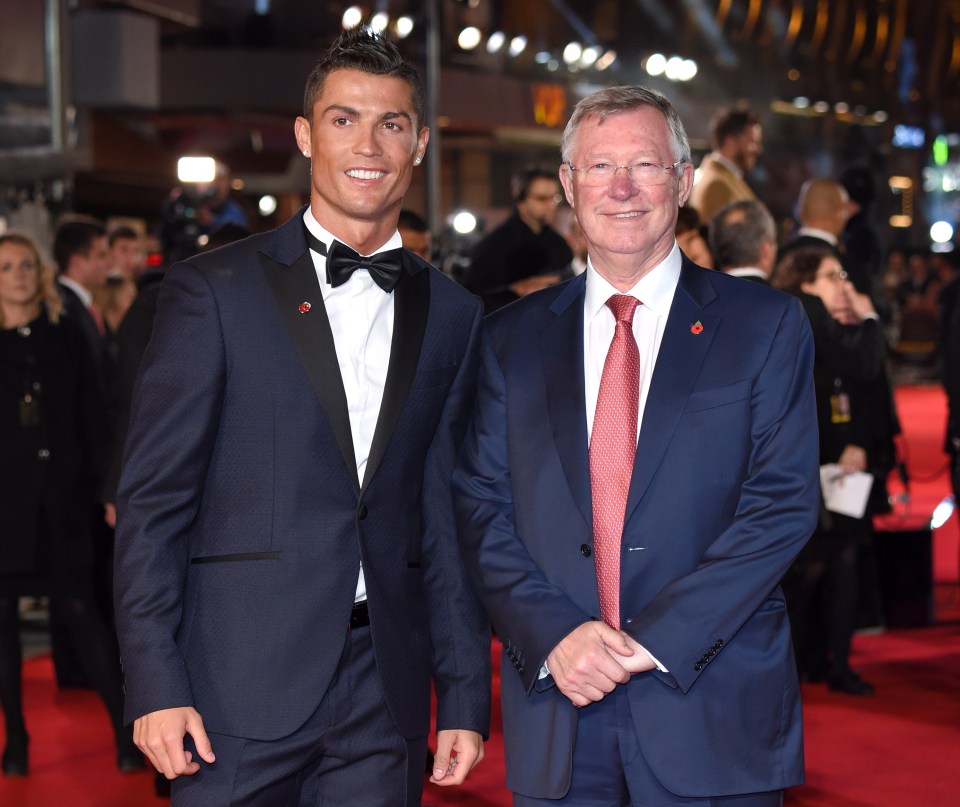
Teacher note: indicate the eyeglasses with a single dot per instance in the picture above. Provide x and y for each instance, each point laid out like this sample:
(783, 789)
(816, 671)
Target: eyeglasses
(642, 173)
(555, 198)
(833, 275)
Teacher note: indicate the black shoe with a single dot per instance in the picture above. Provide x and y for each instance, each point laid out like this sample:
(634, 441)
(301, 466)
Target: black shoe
(15, 755)
(849, 683)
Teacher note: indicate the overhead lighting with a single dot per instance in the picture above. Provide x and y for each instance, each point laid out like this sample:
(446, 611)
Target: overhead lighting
(517, 45)
(688, 69)
(900, 183)
(589, 56)
(469, 37)
(196, 169)
(821, 107)
(542, 57)
(572, 52)
(404, 27)
(351, 18)
(495, 41)
(464, 222)
(380, 21)
(674, 68)
(901, 222)
(941, 232)
(801, 102)
(553, 65)
(656, 64)
(841, 107)
(267, 205)
(880, 116)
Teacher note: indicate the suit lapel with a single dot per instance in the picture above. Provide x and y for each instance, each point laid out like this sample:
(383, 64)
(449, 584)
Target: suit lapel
(293, 285)
(411, 307)
(561, 344)
(681, 356)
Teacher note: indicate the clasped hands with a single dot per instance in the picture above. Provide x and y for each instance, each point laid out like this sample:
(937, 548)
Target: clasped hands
(592, 659)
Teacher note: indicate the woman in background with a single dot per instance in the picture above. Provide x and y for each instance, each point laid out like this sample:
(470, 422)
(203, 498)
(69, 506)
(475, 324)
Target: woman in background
(50, 429)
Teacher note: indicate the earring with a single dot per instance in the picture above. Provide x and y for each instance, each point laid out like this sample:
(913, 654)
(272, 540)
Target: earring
(417, 161)
(305, 153)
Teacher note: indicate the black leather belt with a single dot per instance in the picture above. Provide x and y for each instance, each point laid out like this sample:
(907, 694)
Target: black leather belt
(359, 616)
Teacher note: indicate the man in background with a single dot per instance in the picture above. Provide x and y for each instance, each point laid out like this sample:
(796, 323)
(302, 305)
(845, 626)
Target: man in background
(737, 139)
(415, 234)
(743, 237)
(525, 253)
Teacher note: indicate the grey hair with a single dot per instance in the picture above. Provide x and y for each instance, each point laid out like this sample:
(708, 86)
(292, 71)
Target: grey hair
(738, 230)
(612, 100)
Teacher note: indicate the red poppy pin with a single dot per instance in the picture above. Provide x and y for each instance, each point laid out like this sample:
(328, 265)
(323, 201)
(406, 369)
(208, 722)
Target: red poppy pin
(304, 307)
(697, 327)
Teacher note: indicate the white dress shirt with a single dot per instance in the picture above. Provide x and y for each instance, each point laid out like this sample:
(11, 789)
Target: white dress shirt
(655, 291)
(361, 318)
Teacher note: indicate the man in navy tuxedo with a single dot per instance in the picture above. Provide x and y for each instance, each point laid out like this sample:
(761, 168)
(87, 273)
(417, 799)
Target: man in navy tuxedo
(686, 691)
(288, 574)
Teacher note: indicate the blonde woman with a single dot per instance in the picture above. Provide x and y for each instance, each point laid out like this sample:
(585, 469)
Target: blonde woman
(50, 429)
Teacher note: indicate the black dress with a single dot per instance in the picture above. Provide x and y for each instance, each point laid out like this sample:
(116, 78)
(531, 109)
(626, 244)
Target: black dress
(52, 432)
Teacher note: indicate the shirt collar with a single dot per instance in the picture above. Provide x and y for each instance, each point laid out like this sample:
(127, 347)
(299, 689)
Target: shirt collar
(816, 232)
(324, 235)
(81, 291)
(655, 289)
(730, 165)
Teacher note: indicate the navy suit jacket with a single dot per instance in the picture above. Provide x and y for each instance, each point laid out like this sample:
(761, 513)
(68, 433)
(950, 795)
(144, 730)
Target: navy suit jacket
(724, 494)
(242, 523)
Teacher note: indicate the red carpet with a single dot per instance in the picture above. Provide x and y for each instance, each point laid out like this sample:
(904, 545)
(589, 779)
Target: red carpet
(897, 748)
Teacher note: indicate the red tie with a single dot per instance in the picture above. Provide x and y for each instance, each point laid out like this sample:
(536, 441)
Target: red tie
(613, 448)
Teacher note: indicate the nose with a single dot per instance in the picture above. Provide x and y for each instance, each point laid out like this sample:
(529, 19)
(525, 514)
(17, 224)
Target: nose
(367, 142)
(622, 185)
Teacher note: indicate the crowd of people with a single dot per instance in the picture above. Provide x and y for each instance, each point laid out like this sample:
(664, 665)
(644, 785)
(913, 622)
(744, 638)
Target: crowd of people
(331, 478)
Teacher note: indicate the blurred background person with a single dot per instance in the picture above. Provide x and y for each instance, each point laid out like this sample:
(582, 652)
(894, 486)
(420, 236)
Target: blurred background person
(737, 139)
(743, 238)
(689, 233)
(524, 254)
(567, 225)
(126, 252)
(415, 234)
(857, 424)
(52, 431)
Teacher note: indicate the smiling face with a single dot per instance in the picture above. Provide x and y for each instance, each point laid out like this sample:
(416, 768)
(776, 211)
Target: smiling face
(362, 143)
(629, 228)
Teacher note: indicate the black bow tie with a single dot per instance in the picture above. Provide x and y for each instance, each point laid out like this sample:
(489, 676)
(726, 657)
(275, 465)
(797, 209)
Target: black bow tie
(384, 267)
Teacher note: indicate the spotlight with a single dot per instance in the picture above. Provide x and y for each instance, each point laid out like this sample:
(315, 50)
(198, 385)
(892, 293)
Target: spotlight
(656, 64)
(267, 205)
(464, 222)
(495, 41)
(589, 56)
(517, 45)
(572, 52)
(469, 37)
(196, 169)
(542, 57)
(674, 68)
(380, 21)
(404, 27)
(352, 17)
(801, 102)
(941, 232)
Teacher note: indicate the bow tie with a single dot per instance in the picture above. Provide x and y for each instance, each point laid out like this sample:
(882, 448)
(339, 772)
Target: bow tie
(384, 267)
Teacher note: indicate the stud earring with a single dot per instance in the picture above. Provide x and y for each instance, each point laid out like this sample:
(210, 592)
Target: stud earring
(306, 153)
(417, 161)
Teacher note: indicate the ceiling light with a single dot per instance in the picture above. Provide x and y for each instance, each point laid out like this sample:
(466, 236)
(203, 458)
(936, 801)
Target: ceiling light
(404, 27)
(941, 232)
(469, 37)
(542, 57)
(841, 107)
(352, 17)
(801, 102)
(572, 52)
(380, 21)
(464, 222)
(517, 45)
(656, 64)
(495, 41)
(589, 56)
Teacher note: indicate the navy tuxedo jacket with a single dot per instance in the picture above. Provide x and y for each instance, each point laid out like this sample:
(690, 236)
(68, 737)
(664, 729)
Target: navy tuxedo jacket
(724, 494)
(242, 523)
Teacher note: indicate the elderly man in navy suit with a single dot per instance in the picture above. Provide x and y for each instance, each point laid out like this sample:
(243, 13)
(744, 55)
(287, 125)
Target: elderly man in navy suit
(288, 574)
(640, 471)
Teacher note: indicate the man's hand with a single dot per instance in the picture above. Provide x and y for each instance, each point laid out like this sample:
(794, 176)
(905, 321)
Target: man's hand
(640, 661)
(110, 515)
(160, 736)
(853, 458)
(587, 664)
(458, 752)
(531, 284)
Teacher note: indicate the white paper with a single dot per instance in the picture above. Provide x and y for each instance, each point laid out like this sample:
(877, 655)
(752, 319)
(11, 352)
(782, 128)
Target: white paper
(845, 493)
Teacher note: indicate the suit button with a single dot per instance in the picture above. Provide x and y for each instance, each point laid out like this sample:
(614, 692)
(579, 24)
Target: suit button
(698, 666)
(362, 512)
(585, 550)
(718, 644)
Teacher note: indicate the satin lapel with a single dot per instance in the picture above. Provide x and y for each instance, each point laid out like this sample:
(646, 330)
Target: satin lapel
(561, 345)
(411, 307)
(313, 339)
(681, 356)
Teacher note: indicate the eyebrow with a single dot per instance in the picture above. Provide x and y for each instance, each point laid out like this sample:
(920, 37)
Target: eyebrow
(347, 110)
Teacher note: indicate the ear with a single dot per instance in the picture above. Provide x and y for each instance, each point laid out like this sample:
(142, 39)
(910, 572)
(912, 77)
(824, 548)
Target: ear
(422, 139)
(566, 180)
(301, 131)
(686, 184)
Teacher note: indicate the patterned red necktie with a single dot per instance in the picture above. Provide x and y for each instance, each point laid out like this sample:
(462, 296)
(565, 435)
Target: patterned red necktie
(613, 448)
